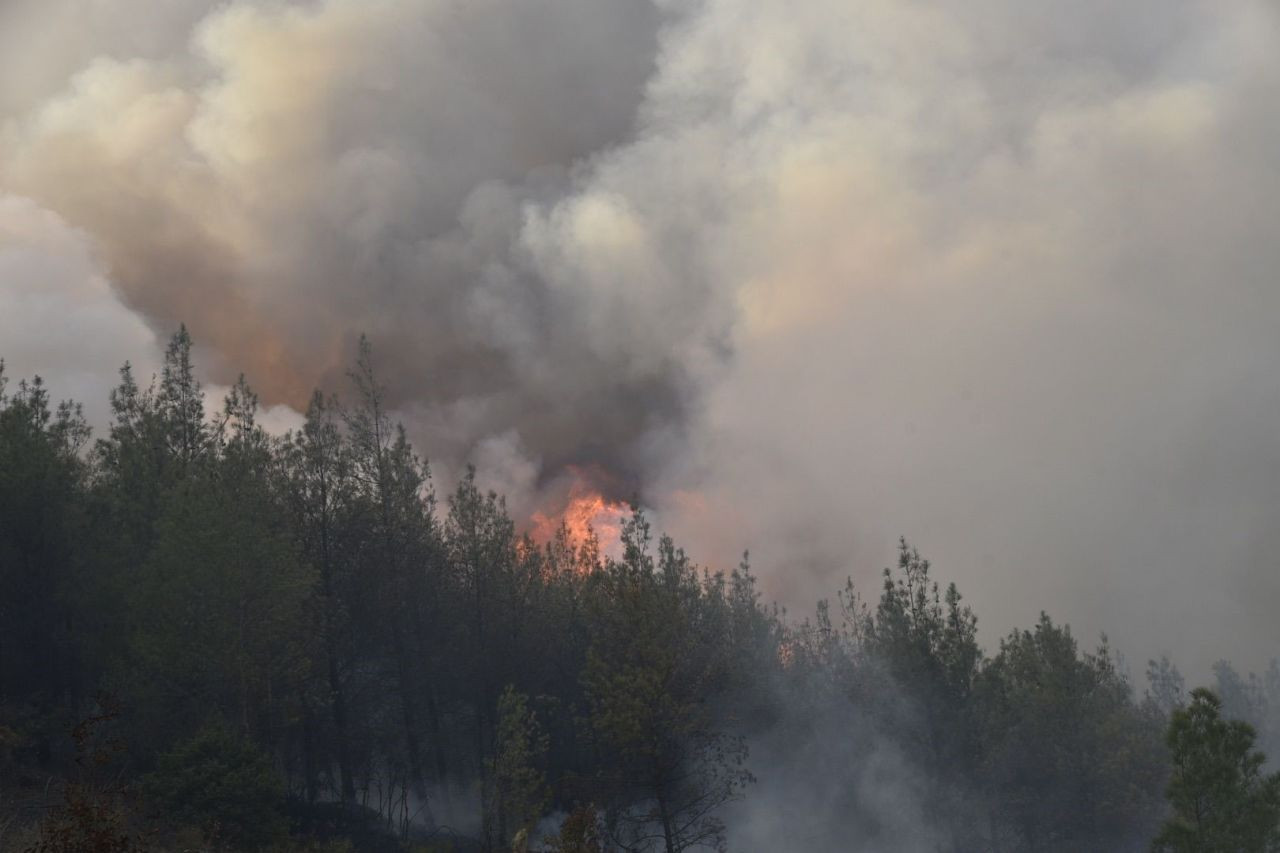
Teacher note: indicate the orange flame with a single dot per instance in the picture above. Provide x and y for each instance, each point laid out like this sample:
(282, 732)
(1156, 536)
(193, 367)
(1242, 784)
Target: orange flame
(586, 511)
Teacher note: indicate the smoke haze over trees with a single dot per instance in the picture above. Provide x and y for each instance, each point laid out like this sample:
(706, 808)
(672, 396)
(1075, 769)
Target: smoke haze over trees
(1013, 262)
(255, 635)
(792, 278)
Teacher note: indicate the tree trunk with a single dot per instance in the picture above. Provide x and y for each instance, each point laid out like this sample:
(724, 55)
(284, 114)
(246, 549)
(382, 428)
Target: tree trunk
(337, 695)
(668, 834)
(409, 711)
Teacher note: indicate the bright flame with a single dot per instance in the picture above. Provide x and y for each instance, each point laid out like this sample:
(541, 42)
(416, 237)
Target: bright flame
(586, 511)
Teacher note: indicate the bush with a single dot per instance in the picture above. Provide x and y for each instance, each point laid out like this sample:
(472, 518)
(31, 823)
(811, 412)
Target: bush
(222, 784)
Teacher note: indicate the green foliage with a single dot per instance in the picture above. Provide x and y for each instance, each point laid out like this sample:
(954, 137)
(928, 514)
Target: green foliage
(1071, 762)
(41, 476)
(925, 637)
(918, 657)
(374, 654)
(219, 782)
(520, 793)
(1221, 799)
(654, 663)
(1165, 686)
(180, 401)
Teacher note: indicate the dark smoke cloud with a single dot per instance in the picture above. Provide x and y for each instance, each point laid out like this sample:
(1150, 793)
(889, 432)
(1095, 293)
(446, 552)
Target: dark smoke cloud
(999, 275)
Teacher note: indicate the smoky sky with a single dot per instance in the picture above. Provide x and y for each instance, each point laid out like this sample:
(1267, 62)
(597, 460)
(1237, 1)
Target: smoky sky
(1000, 276)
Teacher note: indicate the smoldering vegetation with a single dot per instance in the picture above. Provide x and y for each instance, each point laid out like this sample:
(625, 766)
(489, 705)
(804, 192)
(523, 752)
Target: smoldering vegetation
(215, 638)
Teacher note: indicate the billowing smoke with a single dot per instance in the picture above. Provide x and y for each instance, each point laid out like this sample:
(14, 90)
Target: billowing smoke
(999, 275)
(285, 177)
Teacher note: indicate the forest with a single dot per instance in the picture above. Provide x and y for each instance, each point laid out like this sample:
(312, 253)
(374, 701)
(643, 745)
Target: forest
(216, 638)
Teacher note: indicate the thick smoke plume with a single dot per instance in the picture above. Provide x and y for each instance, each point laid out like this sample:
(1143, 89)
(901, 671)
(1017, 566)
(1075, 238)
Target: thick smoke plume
(999, 275)
(285, 177)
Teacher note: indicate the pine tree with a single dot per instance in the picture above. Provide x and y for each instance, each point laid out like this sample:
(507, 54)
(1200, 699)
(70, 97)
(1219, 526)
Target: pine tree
(397, 486)
(321, 495)
(1221, 799)
(41, 519)
(180, 399)
(655, 663)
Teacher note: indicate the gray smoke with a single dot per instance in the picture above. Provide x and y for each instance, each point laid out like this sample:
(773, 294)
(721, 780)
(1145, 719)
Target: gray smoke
(285, 177)
(999, 275)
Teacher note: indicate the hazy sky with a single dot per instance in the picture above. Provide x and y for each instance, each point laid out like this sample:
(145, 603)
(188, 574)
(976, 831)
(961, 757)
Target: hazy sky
(998, 275)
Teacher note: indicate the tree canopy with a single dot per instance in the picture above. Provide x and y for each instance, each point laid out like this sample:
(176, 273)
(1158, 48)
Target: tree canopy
(301, 642)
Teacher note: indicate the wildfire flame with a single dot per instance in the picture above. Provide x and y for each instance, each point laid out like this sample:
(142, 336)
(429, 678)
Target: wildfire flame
(586, 510)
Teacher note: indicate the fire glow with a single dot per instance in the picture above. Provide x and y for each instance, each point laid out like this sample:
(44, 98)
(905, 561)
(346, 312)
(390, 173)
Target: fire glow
(586, 511)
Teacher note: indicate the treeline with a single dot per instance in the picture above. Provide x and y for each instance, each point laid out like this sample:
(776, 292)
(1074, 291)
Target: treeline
(215, 638)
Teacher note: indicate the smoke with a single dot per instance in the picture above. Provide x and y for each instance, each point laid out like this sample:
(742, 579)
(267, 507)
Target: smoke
(996, 275)
(286, 177)
(832, 783)
(60, 319)
(1004, 277)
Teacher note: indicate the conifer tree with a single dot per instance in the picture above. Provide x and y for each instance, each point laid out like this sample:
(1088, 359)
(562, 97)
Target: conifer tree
(1221, 799)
